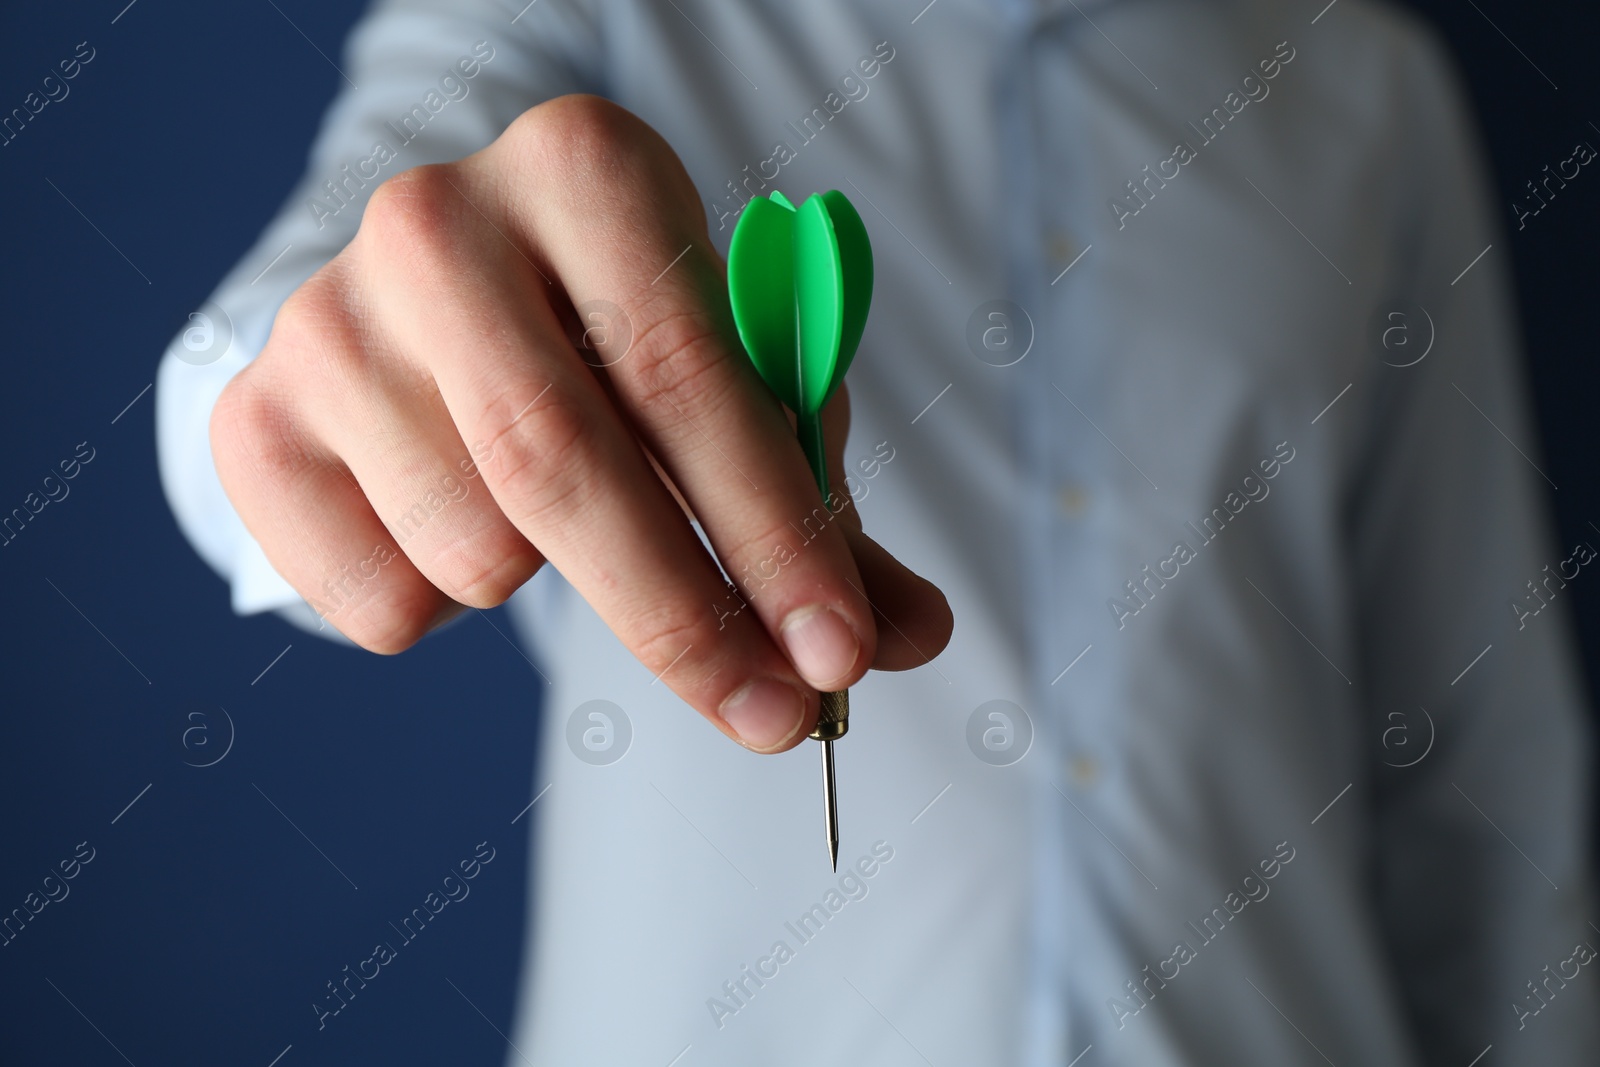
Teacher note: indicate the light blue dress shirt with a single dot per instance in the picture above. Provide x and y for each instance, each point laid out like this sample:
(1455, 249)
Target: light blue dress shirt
(1194, 366)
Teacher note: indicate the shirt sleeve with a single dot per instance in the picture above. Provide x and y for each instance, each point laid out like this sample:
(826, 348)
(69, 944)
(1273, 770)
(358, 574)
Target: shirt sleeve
(1480, 869)
(426, 81)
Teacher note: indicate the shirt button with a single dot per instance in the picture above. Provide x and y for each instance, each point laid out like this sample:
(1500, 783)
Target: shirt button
(1061, 248)
(1083, 771)
(1073, 500)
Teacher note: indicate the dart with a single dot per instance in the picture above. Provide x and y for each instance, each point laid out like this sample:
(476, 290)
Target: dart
(800, 282)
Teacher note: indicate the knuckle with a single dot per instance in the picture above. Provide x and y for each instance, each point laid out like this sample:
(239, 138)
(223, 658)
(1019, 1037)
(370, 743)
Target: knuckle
(251, 430)
(317, 304)
(587, 143)
(411, 215)
(577, 133)
(672, 632)
(800, 558)
(396, 619)
(677, 355)
(315, 336)
(538, 461)
(770, 551)
(480, 584)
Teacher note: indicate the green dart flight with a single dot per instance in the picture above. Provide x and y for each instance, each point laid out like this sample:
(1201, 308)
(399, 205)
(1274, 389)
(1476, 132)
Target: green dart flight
(800, 280)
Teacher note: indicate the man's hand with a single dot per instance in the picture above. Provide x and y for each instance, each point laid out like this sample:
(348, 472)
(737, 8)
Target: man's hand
(449, 319)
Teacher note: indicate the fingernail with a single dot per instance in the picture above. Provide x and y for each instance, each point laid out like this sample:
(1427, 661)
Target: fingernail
(765, 713)
(821, 645)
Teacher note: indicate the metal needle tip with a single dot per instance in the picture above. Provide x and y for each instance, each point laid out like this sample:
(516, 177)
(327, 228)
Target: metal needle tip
(830, 804)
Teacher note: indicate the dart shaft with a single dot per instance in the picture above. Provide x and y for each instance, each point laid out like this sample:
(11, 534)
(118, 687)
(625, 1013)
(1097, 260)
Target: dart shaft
(832, 723)
(809, 429)
(830, 804)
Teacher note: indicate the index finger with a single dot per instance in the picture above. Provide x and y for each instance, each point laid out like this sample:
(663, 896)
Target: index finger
(691, 393)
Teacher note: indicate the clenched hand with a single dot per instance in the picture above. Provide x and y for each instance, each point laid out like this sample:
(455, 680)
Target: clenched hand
(449, 319)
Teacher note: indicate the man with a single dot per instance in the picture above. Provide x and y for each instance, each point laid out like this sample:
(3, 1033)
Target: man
(1183, 385)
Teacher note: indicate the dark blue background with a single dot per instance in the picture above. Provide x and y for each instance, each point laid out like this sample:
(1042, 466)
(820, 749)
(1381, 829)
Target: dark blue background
(207, 924)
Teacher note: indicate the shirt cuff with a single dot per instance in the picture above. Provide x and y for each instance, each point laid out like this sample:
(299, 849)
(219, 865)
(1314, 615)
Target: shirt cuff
(257, 587)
